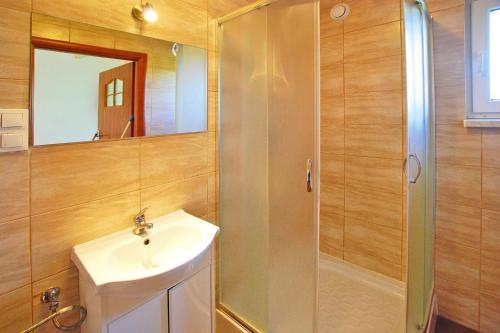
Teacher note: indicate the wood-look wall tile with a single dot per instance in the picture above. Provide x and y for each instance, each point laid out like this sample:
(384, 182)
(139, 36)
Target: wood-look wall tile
(68, 282)
(491, 188)
(218, 8)
(213, 111)
(374, 207)
(382, 74)
(213, 71)
(490, 320)
(378, 174)
(374, 42)
(332, 111)
(213, 34)
(448, 28)
(378, 107)
(16, 310)
(329, 27)
(113, 14)
(450, 104)
(449, 66)
(332, 79)
(374, 141)
(66, 175)
(460, 224)
(331, 49)
(457, 145)
(331, 235)
(203, 4)
(189, 194)
(15, 39)
(14, 187)
(490, 234)
(92, 36)
(332, 140)
(491, 147)
(368, 13)
(435, 5)
(14, 94)
(213, 153)
(14, 255)
(182, 22)
(457, 262)
(172, 158)
(490, 276)
(459, 184)
(373, 263)
(22, 5)
(49, 27)
(332, 168)
(53, 234)
(457, 302)
(213, 193)
(332, 199)
(374, 240)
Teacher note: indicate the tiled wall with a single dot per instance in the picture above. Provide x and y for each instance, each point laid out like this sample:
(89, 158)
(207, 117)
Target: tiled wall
(468, 188)
(54, 197)
(362, 136)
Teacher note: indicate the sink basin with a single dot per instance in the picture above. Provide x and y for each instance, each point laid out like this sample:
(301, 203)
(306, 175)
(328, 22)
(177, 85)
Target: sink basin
(143, 264)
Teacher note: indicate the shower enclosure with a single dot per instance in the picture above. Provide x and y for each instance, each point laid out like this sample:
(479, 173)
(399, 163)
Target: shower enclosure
(269, 165)
(267, 154)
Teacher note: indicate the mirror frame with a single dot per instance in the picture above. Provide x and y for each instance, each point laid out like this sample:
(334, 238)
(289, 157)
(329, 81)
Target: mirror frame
(140, 67)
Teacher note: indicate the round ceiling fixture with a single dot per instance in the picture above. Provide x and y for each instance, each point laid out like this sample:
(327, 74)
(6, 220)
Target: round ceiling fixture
(339, 12)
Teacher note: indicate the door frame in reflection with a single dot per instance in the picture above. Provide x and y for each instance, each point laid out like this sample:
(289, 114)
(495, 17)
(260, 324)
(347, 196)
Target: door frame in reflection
(140, 61)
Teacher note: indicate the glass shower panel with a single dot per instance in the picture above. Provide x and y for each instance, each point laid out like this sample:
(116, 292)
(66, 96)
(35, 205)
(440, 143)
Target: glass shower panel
(268, 115)
(292, 100)
(419, 163)
(244, 170)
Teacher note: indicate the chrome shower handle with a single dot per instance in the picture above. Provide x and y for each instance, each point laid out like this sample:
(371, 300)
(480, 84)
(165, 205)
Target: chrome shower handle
(405, 167)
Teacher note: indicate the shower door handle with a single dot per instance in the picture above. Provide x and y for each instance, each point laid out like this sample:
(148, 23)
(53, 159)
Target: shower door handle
(405, 167)
(309, 176)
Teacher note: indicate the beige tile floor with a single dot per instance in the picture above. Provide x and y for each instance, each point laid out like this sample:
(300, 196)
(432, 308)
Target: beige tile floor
(355, 300)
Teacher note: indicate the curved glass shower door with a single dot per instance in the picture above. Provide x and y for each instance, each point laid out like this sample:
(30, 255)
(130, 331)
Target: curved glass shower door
(267, 214)
(419, 163)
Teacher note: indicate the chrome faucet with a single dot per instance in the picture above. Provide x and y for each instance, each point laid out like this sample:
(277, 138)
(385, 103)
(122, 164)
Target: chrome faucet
(141, 226)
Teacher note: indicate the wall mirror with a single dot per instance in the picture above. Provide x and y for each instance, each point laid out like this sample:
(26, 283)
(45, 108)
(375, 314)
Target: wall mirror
(90, 83)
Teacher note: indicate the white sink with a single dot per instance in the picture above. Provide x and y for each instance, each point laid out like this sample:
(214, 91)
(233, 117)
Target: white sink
(122, 263)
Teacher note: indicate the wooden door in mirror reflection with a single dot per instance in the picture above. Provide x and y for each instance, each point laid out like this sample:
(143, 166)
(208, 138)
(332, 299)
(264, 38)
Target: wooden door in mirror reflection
(115, 115)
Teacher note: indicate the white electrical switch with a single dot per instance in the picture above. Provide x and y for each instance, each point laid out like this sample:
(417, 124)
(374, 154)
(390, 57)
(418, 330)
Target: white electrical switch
(12, 140)
(12, 120)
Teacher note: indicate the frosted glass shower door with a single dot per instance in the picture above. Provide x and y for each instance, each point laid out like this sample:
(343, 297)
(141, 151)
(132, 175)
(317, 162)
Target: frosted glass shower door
(267, 118)
(420, 163)
(244, 169)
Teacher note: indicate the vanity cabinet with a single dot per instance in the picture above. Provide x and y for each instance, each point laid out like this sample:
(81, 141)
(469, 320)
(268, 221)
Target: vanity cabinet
(185, 308)
(162, 282)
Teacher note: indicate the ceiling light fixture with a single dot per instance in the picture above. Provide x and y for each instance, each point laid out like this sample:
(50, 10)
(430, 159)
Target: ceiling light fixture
(145, 12)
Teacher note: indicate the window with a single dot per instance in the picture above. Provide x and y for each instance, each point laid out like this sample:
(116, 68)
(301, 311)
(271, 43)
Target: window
(485, 59)
(114, 93)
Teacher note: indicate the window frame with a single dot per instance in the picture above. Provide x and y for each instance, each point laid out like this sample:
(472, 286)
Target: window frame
(479, 104)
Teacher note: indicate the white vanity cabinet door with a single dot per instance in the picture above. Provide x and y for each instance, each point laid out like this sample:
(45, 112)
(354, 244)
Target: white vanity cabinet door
(151, 317)
(190, 303)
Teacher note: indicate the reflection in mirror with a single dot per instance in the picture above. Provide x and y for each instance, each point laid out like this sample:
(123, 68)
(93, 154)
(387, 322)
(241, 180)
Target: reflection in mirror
(83, 92)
